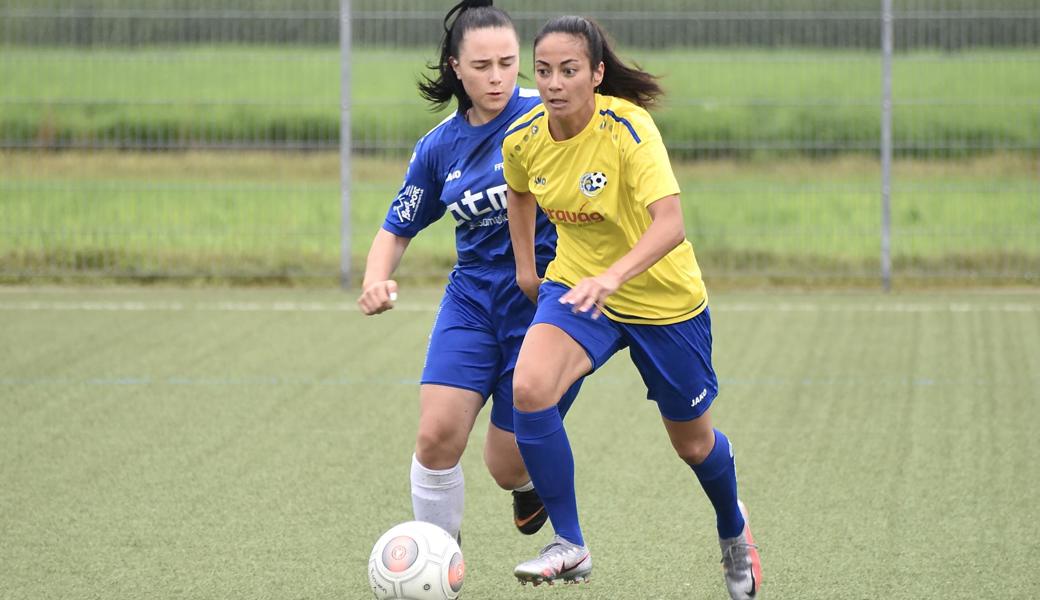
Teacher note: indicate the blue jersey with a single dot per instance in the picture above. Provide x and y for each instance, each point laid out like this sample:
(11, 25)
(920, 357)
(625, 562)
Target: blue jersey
(457, 168)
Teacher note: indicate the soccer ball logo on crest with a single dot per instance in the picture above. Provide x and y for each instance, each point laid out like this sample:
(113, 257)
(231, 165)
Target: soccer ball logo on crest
(592, 184)
(416, 561)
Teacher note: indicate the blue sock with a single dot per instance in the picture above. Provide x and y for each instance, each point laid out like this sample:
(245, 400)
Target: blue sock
(718, 477)
(547, 453)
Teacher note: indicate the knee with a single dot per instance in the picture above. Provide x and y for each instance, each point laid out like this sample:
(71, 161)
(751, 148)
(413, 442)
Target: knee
(438, 446)
(694, 450)
(532, 393)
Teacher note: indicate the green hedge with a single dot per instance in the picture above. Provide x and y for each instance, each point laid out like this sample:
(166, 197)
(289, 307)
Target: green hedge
(718, 102)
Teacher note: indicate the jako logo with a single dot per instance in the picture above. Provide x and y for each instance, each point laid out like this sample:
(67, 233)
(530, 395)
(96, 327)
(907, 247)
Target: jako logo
(700, 397)
(453, 176)
(592, 184)
(566, 216)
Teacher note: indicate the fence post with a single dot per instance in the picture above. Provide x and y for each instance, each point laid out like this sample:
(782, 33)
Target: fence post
(886, 144)
(345, 143)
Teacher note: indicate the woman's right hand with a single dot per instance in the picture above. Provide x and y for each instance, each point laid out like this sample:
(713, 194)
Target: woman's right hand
(529, 286)
(378, 297)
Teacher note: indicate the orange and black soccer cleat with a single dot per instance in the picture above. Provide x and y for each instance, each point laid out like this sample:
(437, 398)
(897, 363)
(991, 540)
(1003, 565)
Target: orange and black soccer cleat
(528, 512)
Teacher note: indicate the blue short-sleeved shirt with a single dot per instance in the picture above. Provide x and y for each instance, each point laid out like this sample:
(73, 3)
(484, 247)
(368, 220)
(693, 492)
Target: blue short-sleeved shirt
(457, 169)
(480, 325)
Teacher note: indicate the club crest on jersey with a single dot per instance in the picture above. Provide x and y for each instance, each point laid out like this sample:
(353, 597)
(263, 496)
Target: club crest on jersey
(592, 184)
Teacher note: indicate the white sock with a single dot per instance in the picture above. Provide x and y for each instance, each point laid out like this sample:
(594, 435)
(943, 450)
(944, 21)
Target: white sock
(527, 487)
(438, 497)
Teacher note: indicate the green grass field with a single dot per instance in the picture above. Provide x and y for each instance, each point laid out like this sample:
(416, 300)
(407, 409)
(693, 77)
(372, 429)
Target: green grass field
(726, 99)
(276, 217)
(254, 444)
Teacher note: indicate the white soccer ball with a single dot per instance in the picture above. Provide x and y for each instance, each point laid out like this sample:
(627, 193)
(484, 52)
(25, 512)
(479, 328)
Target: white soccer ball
(416, 561)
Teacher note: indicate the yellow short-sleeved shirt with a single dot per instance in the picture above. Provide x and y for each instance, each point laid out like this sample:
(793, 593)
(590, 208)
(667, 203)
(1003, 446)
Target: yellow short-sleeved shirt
(595, 188)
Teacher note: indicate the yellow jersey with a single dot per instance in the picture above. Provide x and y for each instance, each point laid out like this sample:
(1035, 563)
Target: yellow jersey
(595, 187)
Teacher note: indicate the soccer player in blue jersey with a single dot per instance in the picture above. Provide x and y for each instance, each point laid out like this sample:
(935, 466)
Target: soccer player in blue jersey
(457, 169)
(624, 276)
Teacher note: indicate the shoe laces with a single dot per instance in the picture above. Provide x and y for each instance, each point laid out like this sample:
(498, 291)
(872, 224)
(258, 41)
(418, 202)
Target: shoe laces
(734, 552)
(564, 548)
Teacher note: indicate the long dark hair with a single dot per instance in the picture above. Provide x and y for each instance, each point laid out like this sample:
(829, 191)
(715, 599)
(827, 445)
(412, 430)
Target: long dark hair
(631, 83)
(464, 16)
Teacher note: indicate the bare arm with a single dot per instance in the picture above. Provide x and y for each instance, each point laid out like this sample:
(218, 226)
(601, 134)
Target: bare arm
(522, 209)
(383, 259)
(665, 233)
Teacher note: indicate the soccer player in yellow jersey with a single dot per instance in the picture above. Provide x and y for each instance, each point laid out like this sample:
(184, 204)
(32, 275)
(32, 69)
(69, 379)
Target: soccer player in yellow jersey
(624, 276)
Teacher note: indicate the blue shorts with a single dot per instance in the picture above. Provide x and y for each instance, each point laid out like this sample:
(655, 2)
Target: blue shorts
(476, 338)
(673, 360)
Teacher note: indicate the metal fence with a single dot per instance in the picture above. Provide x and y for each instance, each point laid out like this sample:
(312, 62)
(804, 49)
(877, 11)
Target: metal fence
(197, 139)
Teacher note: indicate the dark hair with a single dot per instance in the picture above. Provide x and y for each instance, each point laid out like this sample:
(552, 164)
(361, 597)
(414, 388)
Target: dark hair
(632, 84)
(468, 14)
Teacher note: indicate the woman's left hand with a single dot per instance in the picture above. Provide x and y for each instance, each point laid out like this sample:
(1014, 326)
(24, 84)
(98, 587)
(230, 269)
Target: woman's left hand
(590, 293)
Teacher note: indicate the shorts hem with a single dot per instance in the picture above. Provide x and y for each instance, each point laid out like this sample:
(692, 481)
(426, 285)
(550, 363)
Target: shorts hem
(699, 410)
(592, 359)
(499, 425)
(454, 385)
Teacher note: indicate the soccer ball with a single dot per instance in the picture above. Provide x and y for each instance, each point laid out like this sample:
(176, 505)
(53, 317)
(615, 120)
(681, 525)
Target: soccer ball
(416, 561)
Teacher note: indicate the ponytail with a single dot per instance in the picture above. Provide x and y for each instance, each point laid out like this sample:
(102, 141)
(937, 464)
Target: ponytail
(464, 16)
(620, 80)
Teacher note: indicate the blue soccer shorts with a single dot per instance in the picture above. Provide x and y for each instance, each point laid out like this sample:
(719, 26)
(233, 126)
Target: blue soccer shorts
(476, 338)
(673, 360)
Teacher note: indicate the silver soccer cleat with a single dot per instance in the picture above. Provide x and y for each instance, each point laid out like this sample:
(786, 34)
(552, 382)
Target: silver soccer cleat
(741, 563)
(560, 560)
